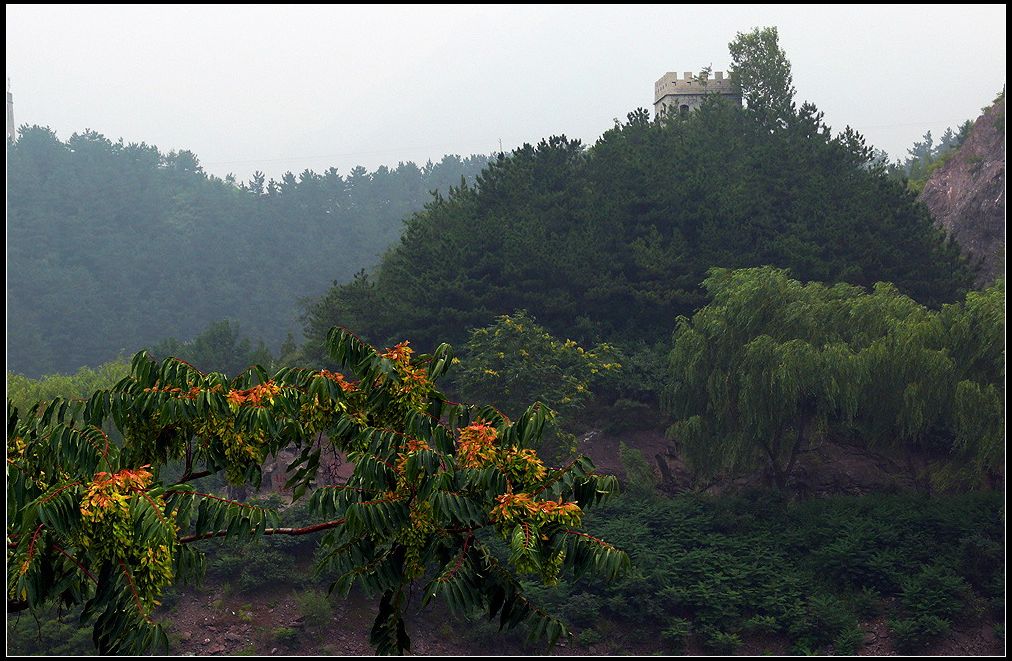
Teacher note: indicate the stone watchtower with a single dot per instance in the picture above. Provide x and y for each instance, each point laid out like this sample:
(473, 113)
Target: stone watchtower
(674, 94)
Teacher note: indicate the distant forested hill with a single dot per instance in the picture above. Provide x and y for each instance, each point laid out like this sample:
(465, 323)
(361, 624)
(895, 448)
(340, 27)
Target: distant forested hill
(612, 242)
(113, 246)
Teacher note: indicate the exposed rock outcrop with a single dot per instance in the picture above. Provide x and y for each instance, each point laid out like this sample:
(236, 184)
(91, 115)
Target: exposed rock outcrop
(966, 195)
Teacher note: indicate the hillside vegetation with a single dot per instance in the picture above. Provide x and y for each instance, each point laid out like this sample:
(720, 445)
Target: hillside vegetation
(612, 242)
(113, 246)
(741, 277)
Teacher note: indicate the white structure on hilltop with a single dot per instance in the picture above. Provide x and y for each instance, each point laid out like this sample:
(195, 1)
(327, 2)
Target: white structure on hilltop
(674, 94)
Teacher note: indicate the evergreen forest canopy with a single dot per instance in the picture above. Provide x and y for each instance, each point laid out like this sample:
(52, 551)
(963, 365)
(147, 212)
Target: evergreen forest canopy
(113, 246)
(926, 156)
(612, 242)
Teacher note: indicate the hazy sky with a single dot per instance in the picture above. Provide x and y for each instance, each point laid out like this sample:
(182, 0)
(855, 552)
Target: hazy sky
(280, 88)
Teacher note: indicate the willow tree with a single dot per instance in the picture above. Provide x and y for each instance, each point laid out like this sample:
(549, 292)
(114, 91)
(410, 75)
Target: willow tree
(934, 381)
(773, 366)
(975, 335)
(758, 373)
(435, 483)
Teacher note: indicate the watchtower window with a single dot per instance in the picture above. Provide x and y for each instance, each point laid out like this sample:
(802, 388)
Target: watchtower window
(684, 109)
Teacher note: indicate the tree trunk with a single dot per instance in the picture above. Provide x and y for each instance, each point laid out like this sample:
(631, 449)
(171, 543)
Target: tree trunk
(779, 475)
(667, 479)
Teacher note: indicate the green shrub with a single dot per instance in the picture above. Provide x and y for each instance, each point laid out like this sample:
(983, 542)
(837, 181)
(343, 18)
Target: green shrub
(583, 610)
(263, 566)
(484, 634)
(55, 633)
(589, 637)
(802, 648)
(855, 558)
(676, 633)
(935, 591)
(980, 561)
(285, 635)
(761, 624)
(170, 597)
(759, 564)
(515, 361)
(823, 619)
(640, 480)
(829, 616)
(314, 607)
(721, 642)
(24, 391)
(913, 634)
(866, 602)
(849, 641)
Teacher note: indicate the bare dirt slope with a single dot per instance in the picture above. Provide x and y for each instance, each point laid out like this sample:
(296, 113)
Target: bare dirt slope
(209, 622)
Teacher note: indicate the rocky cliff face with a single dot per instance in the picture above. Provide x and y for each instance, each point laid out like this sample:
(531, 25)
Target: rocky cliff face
(966, 195)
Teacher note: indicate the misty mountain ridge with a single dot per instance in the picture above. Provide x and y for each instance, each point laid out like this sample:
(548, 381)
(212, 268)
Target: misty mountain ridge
(113, 246)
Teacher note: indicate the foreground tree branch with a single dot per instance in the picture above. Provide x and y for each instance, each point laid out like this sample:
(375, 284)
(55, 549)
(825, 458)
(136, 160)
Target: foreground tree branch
(308, 530)
(417, 482)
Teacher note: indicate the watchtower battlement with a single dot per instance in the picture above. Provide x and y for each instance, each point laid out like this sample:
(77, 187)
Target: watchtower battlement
(685, 93)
